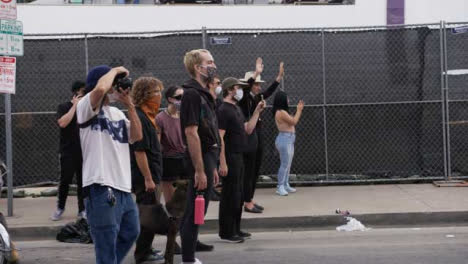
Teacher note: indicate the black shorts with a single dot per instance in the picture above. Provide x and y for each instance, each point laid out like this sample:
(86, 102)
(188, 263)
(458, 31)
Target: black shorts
(174, 169)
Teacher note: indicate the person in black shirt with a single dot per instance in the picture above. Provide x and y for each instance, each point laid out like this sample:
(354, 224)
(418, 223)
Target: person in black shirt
(254, 153)
(200, 134)
(233, 130)
(70, 152)
(214, 84)
(146, 161)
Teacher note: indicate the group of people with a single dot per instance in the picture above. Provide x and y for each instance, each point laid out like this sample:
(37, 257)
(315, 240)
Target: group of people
(199, 137)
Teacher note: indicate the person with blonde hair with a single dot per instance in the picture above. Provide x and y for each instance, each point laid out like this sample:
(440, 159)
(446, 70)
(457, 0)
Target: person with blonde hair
(200, 134)
(146, 161)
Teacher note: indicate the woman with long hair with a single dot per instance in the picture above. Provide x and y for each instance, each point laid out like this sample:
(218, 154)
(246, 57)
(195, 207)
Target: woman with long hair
(286, 124)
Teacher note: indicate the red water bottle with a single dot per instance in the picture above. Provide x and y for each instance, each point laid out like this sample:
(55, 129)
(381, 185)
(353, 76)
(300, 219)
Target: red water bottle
(199, 210)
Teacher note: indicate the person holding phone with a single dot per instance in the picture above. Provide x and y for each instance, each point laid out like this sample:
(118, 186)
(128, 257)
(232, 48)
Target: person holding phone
(70, 151)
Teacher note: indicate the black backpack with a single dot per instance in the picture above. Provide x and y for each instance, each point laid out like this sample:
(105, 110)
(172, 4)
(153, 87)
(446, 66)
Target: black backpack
(75, 232)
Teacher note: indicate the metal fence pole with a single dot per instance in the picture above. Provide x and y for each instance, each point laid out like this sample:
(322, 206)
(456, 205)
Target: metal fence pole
(86, 54)
(204, 37)
(9, 153)
(449, 167)
(324, 107)
(442, 94)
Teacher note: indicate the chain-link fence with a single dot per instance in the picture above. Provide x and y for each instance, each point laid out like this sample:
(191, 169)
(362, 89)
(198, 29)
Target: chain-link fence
(374, 104)
(456, 60)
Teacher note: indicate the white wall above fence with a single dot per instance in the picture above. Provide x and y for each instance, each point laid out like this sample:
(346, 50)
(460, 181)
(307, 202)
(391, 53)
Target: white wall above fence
(42, 19)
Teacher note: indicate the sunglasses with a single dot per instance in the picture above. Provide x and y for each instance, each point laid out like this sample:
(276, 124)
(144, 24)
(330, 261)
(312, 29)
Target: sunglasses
(178, 97)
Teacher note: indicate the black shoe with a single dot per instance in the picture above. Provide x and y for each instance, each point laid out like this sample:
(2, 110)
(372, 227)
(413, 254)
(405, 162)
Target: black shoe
(233, 239)
(156, 251)
(214, 197)
(177, 249)
(244, 235)
(259, 207)
(254, 210)
(203, 247)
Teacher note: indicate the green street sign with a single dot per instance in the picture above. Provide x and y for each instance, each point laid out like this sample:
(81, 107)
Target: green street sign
(11, 38)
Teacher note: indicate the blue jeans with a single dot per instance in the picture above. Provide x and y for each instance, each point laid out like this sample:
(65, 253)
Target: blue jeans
(285, 145)
(115, 228)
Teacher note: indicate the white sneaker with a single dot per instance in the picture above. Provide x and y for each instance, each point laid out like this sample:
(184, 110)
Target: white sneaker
(289, 189)
(57, 215)
(281, 191)
(197, 261)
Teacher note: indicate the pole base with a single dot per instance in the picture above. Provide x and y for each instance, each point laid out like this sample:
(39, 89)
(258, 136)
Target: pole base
(451, 183)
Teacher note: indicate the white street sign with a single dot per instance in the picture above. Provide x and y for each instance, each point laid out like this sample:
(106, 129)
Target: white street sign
(11, 38)
(8, 9)
(7, 75)
(457, 72)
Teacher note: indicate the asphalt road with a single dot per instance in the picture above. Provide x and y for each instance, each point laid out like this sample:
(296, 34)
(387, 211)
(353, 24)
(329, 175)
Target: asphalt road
(435, 245)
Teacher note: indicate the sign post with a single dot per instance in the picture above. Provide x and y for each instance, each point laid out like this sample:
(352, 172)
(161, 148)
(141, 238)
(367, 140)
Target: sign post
(11, 43)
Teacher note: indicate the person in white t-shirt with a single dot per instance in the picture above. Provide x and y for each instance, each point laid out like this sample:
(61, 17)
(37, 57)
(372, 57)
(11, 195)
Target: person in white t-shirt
(105, 135)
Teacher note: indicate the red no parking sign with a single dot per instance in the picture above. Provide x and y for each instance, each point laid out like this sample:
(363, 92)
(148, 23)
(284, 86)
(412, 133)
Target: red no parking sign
(8, 9)
(7, 75)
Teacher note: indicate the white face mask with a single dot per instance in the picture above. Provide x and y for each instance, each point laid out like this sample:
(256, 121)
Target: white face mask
(218, 90)
(112, 97)
(239, 94)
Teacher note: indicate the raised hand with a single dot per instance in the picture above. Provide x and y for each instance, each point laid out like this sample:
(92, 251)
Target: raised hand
(300, 105)
(280, 72)
(259, 66)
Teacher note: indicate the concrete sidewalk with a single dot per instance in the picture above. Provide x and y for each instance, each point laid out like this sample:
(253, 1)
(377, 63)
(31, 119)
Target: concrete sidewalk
(310, 207)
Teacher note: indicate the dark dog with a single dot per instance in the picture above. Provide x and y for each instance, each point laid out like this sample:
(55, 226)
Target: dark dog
(165, 220)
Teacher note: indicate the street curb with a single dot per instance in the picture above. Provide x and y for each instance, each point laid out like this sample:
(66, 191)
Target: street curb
(325, 222)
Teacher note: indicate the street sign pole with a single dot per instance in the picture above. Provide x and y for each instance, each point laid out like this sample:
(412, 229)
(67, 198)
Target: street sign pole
(11, 43)
(9, 153)
(8, 86)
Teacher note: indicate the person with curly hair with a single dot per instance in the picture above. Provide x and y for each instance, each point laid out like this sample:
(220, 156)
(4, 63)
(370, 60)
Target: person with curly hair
(146, 161)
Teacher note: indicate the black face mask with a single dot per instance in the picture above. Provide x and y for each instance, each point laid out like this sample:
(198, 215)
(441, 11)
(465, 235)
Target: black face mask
(210, 72)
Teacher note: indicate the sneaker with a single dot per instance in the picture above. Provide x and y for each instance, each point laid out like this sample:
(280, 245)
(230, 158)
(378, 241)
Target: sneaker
(151, 258)
(244, 235)
(57, 215)
(281, 191)
(201, 247)
(82, 215)
(233, 239)
(195, 262)
(289, 189)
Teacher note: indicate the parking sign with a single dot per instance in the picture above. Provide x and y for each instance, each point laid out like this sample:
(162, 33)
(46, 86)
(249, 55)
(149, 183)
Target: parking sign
(8, 9)
(7, 75)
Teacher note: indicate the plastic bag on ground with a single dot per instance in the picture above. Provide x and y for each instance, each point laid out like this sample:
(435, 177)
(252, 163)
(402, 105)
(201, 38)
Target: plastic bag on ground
(352, 225)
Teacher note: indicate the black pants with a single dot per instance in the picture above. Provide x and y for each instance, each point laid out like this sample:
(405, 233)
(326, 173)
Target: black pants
(189, 230)
(230, 205)
(252, 163)
(70, 165)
